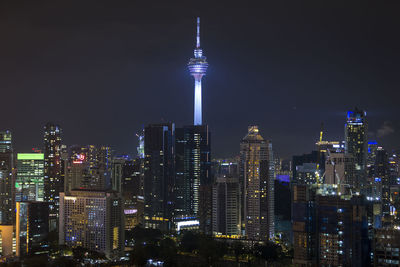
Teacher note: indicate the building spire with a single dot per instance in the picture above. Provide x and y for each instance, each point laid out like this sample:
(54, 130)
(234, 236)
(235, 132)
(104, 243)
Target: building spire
(198, 33)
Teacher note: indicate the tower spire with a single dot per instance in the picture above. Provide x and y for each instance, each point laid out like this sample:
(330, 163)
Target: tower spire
(198, 33)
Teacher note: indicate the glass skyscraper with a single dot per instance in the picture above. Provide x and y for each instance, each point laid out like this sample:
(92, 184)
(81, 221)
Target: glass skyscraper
(159, 140)
(29, 185)
(53, 184)
(356, 132)
(193, 184)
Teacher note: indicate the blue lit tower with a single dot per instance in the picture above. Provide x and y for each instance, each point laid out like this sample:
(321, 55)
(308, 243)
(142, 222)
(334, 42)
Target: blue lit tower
(197, 66)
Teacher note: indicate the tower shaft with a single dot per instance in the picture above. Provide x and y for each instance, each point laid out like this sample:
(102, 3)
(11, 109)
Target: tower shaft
(197, 102)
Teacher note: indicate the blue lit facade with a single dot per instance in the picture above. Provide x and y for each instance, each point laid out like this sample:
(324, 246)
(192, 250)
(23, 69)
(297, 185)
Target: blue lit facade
(198, 67)
(356, 130)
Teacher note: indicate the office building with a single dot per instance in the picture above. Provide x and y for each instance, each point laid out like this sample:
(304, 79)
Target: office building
(387, 247)
(193, 179)
(371, 156)
(228, 166)
(257, 185)
(7, 241)
(53, 183)
(356, 132)
(304, 170)
(329, 229)
(132, 192)
(382, 177)
(7, 178)
(159, 175)
(226, 206)
(117, 174)
(93, 220)
(32, 227)
(29, 184)
(88, 167)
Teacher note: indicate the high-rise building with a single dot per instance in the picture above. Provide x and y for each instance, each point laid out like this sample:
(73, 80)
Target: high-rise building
(257, 185)
(226, 206)
(329, 229)
(356, 132)
(159, 175)
(7, 240)
(193, 180)
(7, 177)
(305, 168)
(29, 185)
(382, 177)
(339, 168)
(394, 167)
(372, 148)
(53, 184)
(93, 220)
(132, 192)
(32, 227)
(88, 167)
(117, 174)
(198, 67)
(387, 247)
(228, 166)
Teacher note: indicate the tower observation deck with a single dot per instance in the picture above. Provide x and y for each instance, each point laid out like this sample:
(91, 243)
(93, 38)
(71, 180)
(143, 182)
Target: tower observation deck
(198, 67)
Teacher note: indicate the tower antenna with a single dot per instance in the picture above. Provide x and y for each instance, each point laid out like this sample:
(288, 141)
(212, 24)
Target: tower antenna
(198, 33)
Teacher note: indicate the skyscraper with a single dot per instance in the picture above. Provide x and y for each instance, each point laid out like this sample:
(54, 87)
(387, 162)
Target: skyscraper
(382, 177)
(257, 185)
(6, 178)
(93, 220)
(329, 229)
(226, 205)
(29, 185)
(32, 227)
(159, 140)
(88, 167)
(132, 192)
(356, 131)
(53, 184)
(198, 66)
(193, 171)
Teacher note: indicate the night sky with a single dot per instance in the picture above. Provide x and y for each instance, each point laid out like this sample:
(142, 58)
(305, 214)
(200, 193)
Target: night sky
(103, 69)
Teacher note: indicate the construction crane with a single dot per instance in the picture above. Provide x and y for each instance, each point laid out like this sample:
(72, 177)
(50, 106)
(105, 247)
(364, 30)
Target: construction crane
(321, 133)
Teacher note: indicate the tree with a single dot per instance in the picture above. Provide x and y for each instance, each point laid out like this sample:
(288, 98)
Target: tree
(168, 251)
(140, 234)
(268, 251)
(138, 255)
(211, 250)
(238, 250)
(189, 242)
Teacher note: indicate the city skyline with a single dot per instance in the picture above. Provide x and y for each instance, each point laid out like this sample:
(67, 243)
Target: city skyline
(135, 168)
(267, 60)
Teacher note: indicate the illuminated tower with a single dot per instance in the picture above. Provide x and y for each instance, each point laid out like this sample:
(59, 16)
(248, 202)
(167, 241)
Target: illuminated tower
(7, 176)
(197, 67)
(53, 183)
(257, 185)
(356, 132)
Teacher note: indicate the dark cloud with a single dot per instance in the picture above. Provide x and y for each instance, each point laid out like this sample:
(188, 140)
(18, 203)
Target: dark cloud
(385, 129)
(104, 68)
